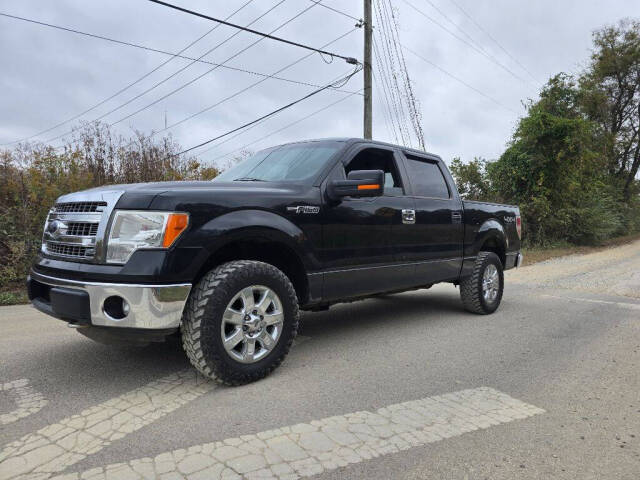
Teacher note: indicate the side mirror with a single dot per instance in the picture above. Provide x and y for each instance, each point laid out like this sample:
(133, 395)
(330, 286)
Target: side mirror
(359, 183)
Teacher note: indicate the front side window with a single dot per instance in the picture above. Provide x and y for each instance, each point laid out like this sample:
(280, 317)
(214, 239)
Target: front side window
(378, 159)
(294, 162)
(426, 178)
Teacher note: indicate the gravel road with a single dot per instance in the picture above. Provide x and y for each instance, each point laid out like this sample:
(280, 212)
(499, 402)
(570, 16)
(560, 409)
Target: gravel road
(614, 271)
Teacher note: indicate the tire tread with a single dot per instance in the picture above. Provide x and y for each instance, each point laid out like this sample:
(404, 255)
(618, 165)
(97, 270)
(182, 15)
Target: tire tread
(211, 288)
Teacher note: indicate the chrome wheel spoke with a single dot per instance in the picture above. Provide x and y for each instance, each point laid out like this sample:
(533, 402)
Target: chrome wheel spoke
(233, 317)
(234, 339)
(274, 318)
(267, 299)
(266, 340)
(250, 329)
(249, 349)
(248, 302)
(490, 283)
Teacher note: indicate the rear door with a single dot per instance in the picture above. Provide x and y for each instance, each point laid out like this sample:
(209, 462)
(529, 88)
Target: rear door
(437, 239)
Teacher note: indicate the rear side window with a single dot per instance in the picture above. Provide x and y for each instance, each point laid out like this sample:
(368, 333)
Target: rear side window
(426, 178)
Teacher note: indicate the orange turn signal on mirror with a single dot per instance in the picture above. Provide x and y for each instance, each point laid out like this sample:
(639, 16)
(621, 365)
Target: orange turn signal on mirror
(176, 224)
(374, 186)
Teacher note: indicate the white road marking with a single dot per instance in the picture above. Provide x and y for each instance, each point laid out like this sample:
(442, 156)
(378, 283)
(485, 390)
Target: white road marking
(632, 306)
(307, 449)
(56, 447)
(28, 400)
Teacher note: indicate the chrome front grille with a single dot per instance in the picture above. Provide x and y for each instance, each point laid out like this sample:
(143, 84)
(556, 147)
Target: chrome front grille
(82, 229)
(64, 250)
(76, 226)
(79, 207)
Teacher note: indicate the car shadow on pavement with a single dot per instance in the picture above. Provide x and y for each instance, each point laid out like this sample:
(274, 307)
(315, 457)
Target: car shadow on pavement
(80, 357)
(408, 308)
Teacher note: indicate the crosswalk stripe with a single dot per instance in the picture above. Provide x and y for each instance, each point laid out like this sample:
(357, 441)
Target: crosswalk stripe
(58, 446)
(307, 449)
(27, 399)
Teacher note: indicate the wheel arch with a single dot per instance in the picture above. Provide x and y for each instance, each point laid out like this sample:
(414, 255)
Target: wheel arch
(492, 238)
(262, 236)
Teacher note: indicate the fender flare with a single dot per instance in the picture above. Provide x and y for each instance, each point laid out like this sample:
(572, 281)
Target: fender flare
(255, 224)
(490, 229)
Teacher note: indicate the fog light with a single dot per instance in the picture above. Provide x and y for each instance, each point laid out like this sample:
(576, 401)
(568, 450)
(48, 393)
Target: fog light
(116, 307)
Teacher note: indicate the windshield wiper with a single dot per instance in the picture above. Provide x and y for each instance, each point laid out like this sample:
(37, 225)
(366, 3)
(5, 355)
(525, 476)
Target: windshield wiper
(248, 179)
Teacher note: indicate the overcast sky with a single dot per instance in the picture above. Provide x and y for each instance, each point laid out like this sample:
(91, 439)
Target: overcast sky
(48, 76)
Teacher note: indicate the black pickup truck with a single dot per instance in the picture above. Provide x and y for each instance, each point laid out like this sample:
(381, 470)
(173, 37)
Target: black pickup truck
(228, 263)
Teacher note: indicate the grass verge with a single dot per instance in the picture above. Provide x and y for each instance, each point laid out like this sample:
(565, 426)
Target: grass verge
(13, 295)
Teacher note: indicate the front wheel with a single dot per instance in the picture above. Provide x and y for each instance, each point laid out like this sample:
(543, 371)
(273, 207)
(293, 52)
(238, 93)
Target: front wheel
(481, 292)
(240, 322)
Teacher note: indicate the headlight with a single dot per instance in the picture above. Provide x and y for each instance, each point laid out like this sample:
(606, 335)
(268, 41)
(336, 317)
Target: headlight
(131, 231)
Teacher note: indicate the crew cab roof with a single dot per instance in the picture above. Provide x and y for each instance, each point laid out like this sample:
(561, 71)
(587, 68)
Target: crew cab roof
(354, 140)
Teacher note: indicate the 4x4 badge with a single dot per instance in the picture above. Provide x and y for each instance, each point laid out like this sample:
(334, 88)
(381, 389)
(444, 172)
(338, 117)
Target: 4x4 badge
(304, 209)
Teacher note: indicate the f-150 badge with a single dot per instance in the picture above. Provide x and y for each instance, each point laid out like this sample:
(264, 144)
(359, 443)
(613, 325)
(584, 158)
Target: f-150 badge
(304, 209)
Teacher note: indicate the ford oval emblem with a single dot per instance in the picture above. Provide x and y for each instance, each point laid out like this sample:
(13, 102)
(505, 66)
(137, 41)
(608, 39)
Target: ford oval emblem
(55, 228)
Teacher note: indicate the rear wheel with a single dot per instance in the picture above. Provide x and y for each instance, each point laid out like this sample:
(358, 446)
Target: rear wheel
(240, 322)
(481, 292)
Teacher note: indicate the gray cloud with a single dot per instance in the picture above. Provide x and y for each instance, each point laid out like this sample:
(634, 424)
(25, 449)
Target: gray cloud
(48, 75)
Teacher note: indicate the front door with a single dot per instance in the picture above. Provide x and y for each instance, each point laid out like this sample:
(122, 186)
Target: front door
(359, 251)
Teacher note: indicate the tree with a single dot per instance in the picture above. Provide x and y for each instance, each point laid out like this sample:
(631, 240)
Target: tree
(553, 168)
(471, 179)
(611, 97)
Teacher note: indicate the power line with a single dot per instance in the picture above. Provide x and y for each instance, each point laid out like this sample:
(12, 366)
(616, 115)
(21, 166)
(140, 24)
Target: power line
(193, 80)
(471, 45)
(387, 111)
(389, 97)
(412, 103)
(228, 139)
(340, 12)
(493, 39)
(155, 50)
(387, 85)
(206, 109)
(343, 81)
(270, 134)
(180, 70)
(350, 60)
(455, 25)
(282, 25)
(458, 79)
(389, 62)
(135, 82)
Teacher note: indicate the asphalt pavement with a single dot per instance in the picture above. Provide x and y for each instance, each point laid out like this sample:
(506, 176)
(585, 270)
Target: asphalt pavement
(406, 386)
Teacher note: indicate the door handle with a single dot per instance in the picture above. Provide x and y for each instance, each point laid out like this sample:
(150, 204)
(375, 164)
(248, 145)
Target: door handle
(408, 216)
(456, 217)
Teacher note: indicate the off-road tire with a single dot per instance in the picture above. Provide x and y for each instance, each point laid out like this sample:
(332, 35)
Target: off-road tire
(471, 286)
(202, 318)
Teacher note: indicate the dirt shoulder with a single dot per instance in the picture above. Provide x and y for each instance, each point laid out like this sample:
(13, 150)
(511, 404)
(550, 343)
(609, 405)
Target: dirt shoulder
(608, 270)
(538, 254)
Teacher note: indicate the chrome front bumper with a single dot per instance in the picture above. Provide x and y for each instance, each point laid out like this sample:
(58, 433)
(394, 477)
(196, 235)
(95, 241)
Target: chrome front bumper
(150, 306)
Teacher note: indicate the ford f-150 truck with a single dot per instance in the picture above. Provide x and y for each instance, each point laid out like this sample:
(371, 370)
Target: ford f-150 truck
(227, 264)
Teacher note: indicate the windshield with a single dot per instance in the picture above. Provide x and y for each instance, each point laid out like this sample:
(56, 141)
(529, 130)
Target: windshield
(294, 162)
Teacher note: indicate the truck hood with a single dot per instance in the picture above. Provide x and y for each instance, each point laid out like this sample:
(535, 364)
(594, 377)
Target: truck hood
(178, 195)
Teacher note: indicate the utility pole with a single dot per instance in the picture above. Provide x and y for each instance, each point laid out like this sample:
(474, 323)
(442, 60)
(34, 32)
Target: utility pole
(368, 31)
